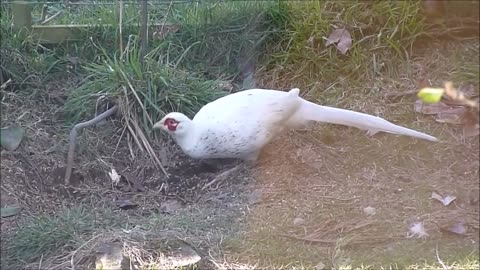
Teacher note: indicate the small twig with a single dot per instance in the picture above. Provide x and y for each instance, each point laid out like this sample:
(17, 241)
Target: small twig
(143, 32)
(119, 140)
(221, 177)
(34, 169)
(73, 138)
(136, 96)
(309, 240)
(440, 260)
(166, 16)
(52, 17)
(40, 263)
(120, 27)
(43, 15)
(72, 263)
(370, 240)
(335, 198)
(396, 95)
(5, 84)
(146, 145)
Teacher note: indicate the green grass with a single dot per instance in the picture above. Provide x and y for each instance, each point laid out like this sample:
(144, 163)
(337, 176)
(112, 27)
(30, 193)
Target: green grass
(103, 12)
(47, 235)
(382, 32)
(221, 38)
(28, 64)
(147, 94)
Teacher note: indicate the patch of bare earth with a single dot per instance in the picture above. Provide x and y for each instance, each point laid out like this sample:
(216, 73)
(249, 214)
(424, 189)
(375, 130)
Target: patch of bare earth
(329, 197)
(336, 197)
(316, 196)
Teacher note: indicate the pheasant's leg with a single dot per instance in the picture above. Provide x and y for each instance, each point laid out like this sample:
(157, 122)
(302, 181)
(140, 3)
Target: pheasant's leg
(211, 165)
(222, 176)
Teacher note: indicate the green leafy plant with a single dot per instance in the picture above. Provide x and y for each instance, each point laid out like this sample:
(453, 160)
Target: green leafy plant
(146, 94)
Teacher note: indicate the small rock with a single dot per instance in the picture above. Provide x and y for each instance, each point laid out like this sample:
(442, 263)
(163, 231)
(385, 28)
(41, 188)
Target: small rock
(320, 266)
(369, 211)
(170, 206)
(180, 255)
(225, 86)
(298, 221)
(254, 197)
(110, 256)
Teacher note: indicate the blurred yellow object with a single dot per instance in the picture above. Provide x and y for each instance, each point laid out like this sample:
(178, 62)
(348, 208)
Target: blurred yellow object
(431, 95)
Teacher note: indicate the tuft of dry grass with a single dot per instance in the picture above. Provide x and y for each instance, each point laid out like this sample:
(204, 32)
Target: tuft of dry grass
(140, 249)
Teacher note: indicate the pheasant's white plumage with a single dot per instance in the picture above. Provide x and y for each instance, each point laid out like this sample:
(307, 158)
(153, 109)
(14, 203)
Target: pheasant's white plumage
(239, 125)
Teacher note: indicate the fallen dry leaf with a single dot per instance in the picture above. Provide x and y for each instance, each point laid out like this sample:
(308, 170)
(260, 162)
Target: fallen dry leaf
(417, 230)
(125, 204)
(115, 177)
(436, 108)
(298, 221)
(341, 38)
(444, 200)
(458, 228)
(369, 211)
(452, 114)
(455, 116)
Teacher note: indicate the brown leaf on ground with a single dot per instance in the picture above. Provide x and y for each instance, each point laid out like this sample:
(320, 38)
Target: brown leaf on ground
(436, 108)
(342, 40)
(444, 112)
(444, 200)
(458, 228)
(125, 203)
(455, 116)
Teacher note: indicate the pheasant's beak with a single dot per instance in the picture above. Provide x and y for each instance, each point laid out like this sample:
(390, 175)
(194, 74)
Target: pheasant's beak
(159, 125)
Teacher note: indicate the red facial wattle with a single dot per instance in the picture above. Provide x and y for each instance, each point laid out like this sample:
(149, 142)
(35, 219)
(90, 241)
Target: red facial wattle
(171, 124)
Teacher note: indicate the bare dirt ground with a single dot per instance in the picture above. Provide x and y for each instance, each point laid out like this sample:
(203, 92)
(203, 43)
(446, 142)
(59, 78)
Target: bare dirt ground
(302, 205)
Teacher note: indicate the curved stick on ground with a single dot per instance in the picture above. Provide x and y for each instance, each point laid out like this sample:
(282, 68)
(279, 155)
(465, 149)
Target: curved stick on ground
(73, 139)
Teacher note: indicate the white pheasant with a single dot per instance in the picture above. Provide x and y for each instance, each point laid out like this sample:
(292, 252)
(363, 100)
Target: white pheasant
(239, 125)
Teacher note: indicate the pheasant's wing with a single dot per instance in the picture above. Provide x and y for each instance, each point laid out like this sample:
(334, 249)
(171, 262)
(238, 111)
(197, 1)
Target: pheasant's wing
(254, 106)
(278, 111)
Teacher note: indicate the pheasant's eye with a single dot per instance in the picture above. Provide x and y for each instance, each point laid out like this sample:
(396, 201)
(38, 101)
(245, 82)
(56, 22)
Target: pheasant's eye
(171, 124)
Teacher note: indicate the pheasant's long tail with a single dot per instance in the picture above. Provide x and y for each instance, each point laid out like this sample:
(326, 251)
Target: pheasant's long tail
(314, 112)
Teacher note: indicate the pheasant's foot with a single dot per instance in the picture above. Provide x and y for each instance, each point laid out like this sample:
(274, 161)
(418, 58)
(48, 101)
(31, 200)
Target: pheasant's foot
(220, 178)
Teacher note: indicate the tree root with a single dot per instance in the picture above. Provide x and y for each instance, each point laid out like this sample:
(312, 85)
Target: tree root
(73, 138)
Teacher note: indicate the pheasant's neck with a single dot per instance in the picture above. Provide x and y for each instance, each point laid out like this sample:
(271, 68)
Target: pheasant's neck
(186, 139)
